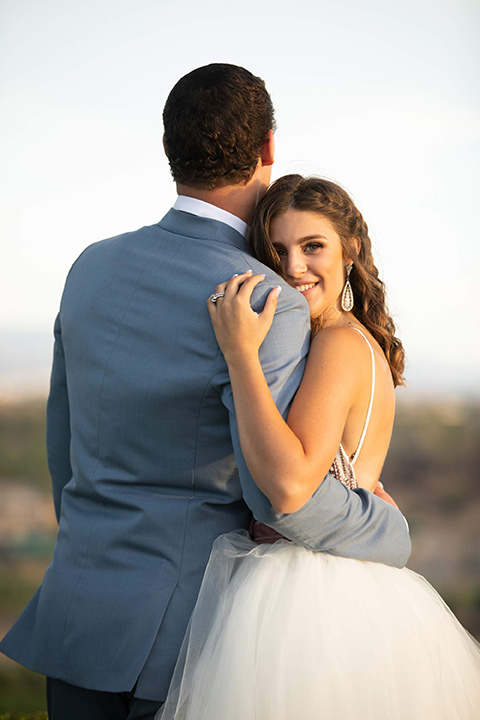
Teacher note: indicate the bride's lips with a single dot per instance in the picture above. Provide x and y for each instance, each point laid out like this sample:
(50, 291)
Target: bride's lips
(305, 288)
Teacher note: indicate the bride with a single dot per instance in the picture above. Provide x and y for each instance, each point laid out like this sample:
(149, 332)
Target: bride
(280, 632)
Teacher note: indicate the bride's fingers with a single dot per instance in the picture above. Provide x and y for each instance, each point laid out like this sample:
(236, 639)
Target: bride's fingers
(235, 283)
(213, 299)
(214, 303)
(270, 305)
(221, 288)
(239, 286)
(248, 286)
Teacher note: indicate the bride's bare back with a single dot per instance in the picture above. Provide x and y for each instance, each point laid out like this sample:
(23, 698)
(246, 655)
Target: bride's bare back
(338, 384)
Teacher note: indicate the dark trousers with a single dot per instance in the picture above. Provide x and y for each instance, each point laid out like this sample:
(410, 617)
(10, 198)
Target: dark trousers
(69, 702)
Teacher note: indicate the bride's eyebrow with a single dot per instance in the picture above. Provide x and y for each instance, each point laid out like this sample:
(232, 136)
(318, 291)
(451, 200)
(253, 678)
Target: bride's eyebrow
(312, 237)
(307, 238)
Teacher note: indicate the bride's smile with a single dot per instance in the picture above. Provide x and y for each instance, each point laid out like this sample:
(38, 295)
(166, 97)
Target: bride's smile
(304, 289)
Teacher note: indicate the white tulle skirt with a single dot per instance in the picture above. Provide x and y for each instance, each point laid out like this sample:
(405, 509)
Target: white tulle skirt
(283, 633)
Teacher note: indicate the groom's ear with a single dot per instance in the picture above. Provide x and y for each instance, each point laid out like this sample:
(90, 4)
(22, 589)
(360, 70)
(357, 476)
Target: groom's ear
(268, 150)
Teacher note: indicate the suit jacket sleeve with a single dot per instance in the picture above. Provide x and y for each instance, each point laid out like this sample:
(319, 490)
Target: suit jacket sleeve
(337, 520)
(58, 423)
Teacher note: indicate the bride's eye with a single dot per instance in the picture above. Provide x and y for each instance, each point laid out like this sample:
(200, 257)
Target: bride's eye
(280, 252)
(311, 247)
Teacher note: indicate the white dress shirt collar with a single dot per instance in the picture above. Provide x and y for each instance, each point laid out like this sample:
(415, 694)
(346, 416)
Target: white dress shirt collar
(194, 206)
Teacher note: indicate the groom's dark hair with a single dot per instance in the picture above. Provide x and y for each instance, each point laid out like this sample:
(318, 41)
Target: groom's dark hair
(216, 119)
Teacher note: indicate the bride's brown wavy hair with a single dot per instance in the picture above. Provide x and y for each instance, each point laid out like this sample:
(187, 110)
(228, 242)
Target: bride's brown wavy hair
(321, 196)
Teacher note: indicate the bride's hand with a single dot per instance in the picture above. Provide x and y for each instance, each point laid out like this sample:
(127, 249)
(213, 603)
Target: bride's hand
(238, 328)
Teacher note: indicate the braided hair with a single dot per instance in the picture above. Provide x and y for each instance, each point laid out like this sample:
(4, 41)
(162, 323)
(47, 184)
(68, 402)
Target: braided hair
(321, 196)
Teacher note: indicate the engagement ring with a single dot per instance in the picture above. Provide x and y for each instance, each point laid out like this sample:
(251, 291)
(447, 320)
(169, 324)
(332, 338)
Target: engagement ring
(215, 296)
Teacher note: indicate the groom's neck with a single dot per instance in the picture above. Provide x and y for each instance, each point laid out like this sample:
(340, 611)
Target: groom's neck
(240, 200)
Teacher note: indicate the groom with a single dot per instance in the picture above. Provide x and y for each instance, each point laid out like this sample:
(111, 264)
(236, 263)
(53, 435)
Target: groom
(142, 442)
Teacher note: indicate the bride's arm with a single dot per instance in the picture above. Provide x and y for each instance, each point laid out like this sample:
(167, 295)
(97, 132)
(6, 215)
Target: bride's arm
(286, 462)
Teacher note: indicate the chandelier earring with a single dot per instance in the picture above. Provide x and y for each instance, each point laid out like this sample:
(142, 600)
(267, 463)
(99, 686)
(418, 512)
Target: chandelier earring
(347, 294)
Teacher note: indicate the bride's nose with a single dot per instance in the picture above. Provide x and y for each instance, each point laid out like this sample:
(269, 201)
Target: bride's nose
(296, 265)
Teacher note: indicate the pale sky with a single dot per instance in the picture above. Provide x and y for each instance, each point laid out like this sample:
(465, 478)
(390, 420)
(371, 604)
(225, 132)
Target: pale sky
(382, 97)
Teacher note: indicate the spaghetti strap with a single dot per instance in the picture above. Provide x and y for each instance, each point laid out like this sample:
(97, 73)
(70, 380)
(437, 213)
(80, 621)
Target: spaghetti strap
(354, 457)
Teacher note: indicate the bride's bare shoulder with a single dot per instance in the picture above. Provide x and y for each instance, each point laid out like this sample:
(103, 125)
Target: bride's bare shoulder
(338, 352)
(340, 339)
(342, 350)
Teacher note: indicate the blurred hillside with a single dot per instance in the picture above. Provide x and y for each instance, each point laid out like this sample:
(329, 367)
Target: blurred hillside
(431, 469)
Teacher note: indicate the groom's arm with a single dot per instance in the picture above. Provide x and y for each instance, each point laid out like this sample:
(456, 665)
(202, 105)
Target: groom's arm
(58, 422)
(353, 524)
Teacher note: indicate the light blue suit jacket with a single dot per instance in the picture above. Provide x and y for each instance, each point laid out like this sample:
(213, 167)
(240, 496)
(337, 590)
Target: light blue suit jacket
(143, 451)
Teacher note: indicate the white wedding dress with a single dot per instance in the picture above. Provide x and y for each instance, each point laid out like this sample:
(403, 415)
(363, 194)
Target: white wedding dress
(283, 633)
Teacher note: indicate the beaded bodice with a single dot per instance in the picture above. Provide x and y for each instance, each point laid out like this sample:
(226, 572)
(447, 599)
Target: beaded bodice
(342, 469)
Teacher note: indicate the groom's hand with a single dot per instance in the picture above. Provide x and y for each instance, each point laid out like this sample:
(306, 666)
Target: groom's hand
(379, 491)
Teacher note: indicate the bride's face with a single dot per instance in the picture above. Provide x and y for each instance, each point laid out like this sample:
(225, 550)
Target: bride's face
(311, 255)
